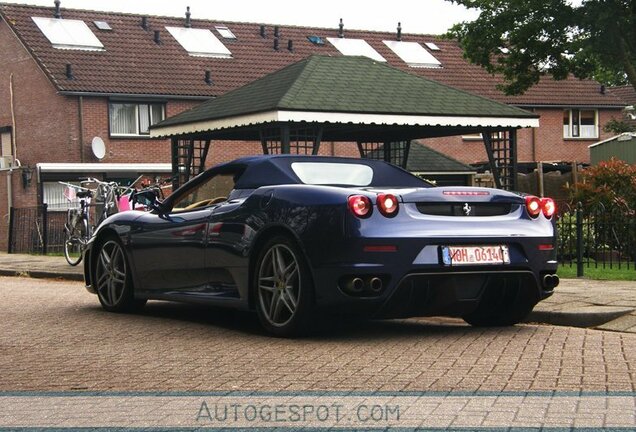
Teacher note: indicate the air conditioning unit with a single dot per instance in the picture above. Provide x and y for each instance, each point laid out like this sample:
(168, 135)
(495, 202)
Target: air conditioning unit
(6, 161)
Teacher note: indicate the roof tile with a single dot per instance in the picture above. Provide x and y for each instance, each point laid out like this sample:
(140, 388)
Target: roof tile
(132, 63)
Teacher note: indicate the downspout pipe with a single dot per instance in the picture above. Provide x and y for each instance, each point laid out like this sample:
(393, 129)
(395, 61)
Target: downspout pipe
(81, 127)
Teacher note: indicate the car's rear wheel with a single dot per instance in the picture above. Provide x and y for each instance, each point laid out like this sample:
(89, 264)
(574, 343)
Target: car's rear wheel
(283, 288)
(503, 303)
(113, 281)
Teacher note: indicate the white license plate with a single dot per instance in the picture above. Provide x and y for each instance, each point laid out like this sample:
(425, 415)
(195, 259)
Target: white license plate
(473, 255)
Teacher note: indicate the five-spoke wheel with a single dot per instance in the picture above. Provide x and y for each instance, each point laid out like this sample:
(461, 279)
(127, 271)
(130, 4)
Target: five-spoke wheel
(283, 289)
(112, 278)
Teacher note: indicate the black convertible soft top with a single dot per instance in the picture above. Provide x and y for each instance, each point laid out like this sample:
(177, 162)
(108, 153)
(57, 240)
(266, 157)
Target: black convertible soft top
(272, 170)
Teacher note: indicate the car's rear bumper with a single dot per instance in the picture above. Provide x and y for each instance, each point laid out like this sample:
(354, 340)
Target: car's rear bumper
(414, 281)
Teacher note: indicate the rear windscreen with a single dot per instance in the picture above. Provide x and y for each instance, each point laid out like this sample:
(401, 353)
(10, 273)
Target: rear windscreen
(325, 173)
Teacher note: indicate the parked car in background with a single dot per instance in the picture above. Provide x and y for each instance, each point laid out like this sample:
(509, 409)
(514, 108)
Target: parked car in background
(295, 236)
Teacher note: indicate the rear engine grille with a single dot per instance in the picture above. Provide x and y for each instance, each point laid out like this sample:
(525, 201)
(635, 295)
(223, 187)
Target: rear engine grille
(466, 209)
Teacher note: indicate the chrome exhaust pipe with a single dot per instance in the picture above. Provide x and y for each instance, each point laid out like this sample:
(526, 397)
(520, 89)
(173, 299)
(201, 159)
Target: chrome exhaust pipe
(355, 285)
(375, 284)
(550, 281)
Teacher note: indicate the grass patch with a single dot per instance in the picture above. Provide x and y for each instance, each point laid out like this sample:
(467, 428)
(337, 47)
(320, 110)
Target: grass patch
(599, 273)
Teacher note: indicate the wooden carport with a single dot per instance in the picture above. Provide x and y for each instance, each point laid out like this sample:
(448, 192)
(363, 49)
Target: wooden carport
(345, 99)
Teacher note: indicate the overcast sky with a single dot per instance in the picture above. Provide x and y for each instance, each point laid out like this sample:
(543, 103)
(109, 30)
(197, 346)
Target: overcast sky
(416, 16)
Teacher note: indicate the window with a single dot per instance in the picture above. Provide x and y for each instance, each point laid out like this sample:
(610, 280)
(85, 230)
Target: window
(413, 54)
(134, 119)
(102, 25)
(225, 32)
(56, 197)
(316, 40)
(6, 145)
(68, 34)
(212, 191)
(333, 173)
(199, 42)
(355, 47)
(432, 46)
(580, 123)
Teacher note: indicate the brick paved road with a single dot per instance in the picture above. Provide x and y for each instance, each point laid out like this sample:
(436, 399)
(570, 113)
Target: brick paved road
(54, 336)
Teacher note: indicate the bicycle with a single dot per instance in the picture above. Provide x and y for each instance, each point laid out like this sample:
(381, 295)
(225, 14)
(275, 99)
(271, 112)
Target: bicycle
(77, 229)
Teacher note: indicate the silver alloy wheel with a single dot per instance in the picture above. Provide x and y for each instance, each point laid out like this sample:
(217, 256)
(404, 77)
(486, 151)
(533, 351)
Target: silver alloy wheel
(279, 285)
(110, 273)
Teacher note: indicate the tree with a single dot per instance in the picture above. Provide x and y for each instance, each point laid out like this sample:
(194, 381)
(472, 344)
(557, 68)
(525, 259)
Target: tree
(524, 40)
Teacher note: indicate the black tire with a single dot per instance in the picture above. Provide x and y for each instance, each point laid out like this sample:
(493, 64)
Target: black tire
(75, 241)
(113, 279)
(503, 303)
(283, 288)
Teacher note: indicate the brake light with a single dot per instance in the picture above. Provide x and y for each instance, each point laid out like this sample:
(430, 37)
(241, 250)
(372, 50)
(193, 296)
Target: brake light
(387, 204)
(360, 205)
(548, 206)
(533, 205)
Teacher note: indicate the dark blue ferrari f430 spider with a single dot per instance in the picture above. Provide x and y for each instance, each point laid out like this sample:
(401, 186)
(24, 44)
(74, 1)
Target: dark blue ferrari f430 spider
(295, 236)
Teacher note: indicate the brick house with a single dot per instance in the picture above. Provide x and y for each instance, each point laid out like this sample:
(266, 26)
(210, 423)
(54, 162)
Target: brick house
(67, 76)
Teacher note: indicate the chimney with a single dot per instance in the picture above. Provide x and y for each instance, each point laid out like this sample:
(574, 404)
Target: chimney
(602, 89)
(399, 31)
(69, 72)
(276, 44)
(188, 22)
(276, 31)
(144, 23)
(341, 29)
(263, 35)
(58, 13)
(208, 77)
(157, 37)
(290, 45)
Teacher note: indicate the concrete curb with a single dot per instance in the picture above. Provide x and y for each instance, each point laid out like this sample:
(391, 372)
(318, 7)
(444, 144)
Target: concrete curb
(42, 274)
(586, 316)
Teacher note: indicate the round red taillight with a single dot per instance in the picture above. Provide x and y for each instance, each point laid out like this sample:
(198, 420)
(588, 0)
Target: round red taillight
(360, 205)
(388, 204)
(533, 205)
(548, 206)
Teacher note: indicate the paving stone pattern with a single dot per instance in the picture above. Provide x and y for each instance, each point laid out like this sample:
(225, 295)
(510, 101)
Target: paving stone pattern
(54, 336)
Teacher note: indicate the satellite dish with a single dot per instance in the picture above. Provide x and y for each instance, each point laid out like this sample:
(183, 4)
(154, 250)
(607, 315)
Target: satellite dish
(98, 147)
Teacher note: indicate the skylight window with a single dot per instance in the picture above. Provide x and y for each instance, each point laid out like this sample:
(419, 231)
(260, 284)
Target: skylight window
(355, 47)
(413, 54)
(68, 34)
(225, 32)
(316, 40)
(102, 25)
(432, 46)
(199, 42)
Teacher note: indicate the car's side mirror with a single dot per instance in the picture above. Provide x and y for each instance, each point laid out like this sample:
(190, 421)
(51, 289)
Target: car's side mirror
(147, 198)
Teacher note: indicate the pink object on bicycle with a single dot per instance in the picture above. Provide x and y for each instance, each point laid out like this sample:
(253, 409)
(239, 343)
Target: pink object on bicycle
(69, 193)
(123, 203)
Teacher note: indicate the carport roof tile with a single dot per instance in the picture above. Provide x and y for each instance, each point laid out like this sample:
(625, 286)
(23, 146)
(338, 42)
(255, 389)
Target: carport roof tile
(346, 85)
(423, 158)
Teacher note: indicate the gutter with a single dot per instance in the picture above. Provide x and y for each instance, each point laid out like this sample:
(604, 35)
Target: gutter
(561, 106)
(136, 96)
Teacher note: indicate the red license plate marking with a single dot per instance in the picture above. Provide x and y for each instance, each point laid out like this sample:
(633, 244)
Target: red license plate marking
(474, 255)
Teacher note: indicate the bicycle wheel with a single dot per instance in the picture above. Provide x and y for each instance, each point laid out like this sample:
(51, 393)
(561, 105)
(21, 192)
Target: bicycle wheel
(75, 241)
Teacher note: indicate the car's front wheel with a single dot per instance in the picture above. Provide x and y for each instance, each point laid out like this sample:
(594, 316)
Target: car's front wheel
(113, 281)
(283, 288)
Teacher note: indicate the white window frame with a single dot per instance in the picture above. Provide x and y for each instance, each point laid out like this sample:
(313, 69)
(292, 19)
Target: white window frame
(576, 131)
(68, 34)
(137, 133)
(53, 196)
